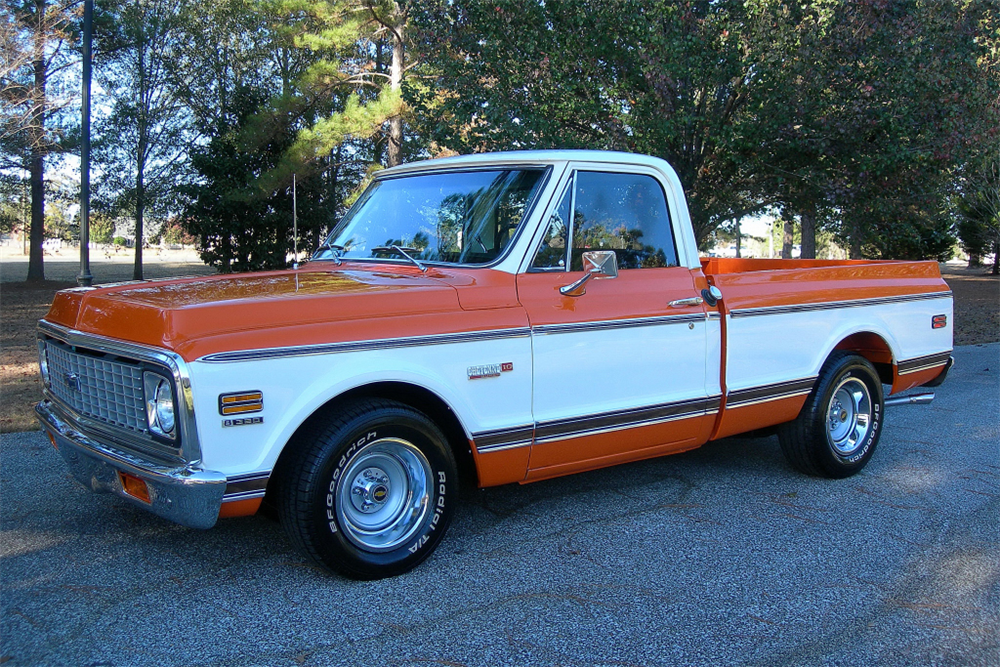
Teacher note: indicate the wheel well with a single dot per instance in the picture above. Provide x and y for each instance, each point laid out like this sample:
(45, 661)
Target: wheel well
(872, 347)
(416, 397)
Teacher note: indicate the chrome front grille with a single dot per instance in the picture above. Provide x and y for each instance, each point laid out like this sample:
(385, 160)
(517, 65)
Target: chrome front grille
(103, 388)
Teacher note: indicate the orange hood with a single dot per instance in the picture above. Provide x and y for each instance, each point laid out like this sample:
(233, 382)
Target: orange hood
(198, 316)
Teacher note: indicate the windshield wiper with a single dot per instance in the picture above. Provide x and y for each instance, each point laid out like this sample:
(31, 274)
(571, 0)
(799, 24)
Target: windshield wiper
(337, 249)
(416, 262)
(482, 245)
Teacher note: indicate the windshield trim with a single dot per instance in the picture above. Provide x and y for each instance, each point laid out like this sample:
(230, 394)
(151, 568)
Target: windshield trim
(529, 210)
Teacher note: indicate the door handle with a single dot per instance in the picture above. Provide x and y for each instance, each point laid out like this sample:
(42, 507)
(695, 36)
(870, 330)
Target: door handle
(693, 301)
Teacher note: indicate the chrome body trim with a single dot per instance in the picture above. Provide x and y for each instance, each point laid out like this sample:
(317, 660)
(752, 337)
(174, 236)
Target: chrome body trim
(927, 362)
(770, 392)
(365, 345)
(189, 448)
(443, 339)
(573, 327)
(830, 305)
(184, 493)
(564, 429)
(243, 487)
(500, 439)
(605, 422)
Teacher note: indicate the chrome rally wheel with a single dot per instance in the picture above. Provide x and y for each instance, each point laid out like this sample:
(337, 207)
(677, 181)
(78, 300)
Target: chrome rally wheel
(383, 497)
(849, 416)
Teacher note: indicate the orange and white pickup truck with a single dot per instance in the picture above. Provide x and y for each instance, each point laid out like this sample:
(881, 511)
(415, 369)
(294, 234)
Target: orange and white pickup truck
(518, 316)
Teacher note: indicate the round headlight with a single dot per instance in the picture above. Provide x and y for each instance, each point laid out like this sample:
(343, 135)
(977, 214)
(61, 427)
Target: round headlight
(165, 407)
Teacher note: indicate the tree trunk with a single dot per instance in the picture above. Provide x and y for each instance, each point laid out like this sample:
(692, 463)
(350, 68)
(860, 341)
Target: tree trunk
(786, 246)
(140, 204)
(36, 266)
(739, 240)
(807, 220)
(395, 148)
(142, 107)
(996, 258)
(854, 252)
(227, 253)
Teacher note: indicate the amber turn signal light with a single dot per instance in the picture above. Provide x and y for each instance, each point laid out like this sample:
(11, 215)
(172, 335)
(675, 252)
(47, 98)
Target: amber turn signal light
(135, 487)
(241, 402)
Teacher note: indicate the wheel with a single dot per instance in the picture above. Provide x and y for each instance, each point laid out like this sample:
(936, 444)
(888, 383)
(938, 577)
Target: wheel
(368, 492)
(839, 426)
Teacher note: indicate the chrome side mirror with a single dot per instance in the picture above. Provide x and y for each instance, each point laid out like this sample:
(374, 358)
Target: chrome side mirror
(595, 263)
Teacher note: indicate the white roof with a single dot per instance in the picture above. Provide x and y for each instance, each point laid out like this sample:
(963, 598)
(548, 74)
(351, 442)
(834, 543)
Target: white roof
(543, 157)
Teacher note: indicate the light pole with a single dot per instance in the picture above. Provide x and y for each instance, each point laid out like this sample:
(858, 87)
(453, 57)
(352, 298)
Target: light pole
(85, 279)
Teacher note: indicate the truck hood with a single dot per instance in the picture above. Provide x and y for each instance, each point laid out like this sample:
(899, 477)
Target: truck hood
(198, 316)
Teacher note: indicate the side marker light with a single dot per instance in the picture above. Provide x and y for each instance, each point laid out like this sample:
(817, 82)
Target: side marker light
(241, 402)
(135, 487)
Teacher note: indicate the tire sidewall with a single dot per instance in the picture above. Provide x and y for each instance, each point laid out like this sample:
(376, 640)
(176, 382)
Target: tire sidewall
(833, 462)
(333, 545)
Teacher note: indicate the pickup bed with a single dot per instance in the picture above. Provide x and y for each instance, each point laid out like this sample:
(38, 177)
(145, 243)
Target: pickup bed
(516, 316)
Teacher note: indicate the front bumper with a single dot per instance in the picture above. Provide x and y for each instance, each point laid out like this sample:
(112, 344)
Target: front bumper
(183, 494)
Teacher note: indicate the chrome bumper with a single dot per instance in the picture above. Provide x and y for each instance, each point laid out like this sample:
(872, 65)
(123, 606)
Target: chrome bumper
(183, 494)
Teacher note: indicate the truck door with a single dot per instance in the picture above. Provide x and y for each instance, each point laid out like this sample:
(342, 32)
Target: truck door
(620, 369)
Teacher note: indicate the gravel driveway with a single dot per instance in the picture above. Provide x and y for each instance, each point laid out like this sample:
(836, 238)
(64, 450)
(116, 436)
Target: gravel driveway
(722, 556)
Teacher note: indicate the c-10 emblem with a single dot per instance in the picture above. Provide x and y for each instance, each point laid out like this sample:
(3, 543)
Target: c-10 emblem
(490, 370)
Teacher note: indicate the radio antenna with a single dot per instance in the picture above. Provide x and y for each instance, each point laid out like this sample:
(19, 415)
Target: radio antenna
(295, 227)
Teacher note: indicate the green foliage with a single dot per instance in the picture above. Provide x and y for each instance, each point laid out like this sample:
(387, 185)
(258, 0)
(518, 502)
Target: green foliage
(241, 224)
(13, 202)
(671, 79)
(913, 237)
(62, 216)
(102, 228)
(865, 116)
(978, 208)
(357, 120)
(886, 100)
(851, 110)
(35, 40)
(143, 141)
(173, 233)
(357, 62)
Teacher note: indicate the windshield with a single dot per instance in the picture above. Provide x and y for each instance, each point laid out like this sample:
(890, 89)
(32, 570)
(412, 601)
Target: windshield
(461, 217)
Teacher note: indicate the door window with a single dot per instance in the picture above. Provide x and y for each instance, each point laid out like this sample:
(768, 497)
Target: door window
(626, 213)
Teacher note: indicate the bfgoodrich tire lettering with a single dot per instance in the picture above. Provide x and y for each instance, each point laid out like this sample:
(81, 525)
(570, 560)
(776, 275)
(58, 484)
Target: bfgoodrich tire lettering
(838, 429)
(368, 492)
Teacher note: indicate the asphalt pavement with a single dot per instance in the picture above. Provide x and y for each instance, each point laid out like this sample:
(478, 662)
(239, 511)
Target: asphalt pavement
(722, 556)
